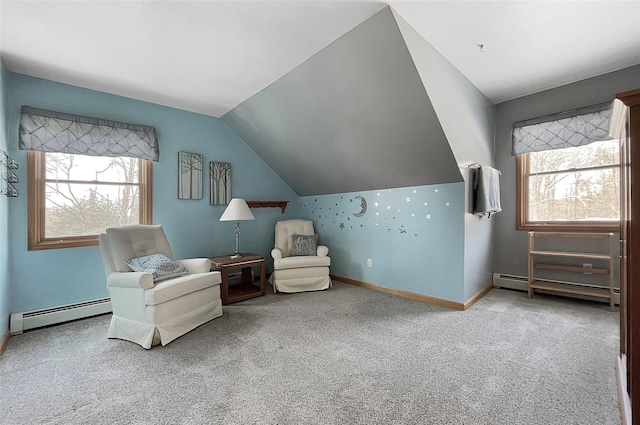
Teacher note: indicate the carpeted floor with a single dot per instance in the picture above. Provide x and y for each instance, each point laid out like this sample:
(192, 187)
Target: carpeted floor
(343, 356)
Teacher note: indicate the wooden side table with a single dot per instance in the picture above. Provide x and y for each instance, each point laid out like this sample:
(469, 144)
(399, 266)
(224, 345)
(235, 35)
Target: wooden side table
(246, 288)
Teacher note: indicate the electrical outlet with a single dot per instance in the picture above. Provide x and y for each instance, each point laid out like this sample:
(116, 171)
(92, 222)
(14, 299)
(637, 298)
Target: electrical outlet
(369, 262)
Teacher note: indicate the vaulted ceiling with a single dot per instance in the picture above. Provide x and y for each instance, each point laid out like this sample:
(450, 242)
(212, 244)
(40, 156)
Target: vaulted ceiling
(326, 92)
(356, 116)
(210, 56)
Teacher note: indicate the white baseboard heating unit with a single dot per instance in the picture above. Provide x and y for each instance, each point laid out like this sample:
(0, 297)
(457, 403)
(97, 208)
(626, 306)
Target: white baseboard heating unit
(509, 281)
(520, 283)
(20, 322)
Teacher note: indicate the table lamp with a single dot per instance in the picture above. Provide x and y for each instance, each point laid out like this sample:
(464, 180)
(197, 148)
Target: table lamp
(237, 211)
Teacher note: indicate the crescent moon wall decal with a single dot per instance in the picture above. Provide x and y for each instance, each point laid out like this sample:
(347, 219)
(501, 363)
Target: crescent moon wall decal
(363, 207)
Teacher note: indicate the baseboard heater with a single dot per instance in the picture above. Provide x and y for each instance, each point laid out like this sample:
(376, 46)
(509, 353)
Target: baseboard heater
(520, 283)
(20, 322)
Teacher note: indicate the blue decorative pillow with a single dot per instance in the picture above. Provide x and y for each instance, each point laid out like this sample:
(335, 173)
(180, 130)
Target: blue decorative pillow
(304, 245)
(159, 265)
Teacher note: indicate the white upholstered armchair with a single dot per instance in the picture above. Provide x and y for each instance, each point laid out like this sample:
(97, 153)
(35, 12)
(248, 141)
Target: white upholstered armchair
(294, 271)
(166, 300)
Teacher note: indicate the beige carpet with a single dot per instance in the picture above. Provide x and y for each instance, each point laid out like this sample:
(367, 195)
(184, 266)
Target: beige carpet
(343, 356)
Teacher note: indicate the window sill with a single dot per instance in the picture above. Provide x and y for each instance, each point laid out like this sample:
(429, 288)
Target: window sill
(63, 243)
(569, 227)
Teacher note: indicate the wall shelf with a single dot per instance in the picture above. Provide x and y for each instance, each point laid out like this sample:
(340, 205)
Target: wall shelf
(268, 204)
(576, 269)
(593, 291)
(578, 288)
(7, 176)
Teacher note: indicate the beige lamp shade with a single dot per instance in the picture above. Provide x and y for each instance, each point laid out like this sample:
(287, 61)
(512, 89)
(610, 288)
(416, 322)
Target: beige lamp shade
(237, 210)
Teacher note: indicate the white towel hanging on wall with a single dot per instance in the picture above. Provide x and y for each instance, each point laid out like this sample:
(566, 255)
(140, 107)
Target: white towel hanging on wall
(486, 191)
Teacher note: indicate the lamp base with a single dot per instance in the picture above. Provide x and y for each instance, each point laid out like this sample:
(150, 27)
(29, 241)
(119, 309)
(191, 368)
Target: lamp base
(237, 254)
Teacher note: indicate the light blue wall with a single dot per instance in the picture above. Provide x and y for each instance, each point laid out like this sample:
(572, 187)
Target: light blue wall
(5, 294)
(414, 235)
(55, 277)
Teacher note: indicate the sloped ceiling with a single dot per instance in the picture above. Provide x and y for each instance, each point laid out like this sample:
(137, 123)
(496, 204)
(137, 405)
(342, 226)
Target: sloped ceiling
(202, 56)
(353, 117)
(208, 56)
(466, 115)
(366, 128)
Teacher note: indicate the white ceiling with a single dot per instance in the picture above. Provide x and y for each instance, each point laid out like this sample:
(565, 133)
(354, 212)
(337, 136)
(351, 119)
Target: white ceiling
(529, 46)
(209, 56)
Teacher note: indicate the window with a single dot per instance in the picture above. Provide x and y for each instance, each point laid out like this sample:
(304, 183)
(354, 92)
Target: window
(571, 189)
(84, 174)
(73, 198)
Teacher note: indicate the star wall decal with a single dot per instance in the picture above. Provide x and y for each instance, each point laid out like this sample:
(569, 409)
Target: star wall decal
(403, 229)
(341, 225)
(428, 216)
(408, 199)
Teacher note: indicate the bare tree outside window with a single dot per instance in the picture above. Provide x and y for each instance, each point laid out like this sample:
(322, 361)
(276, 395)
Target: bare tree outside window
(84, 195)
(572, 186)
(220, 183)
(189, 175)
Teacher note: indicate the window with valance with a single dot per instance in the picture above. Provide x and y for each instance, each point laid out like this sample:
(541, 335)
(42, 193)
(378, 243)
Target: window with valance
(568, 171)
(50, 131)
(85, 174)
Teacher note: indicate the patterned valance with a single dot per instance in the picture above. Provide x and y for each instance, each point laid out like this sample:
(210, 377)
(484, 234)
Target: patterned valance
(50, 131)
(564, 130)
